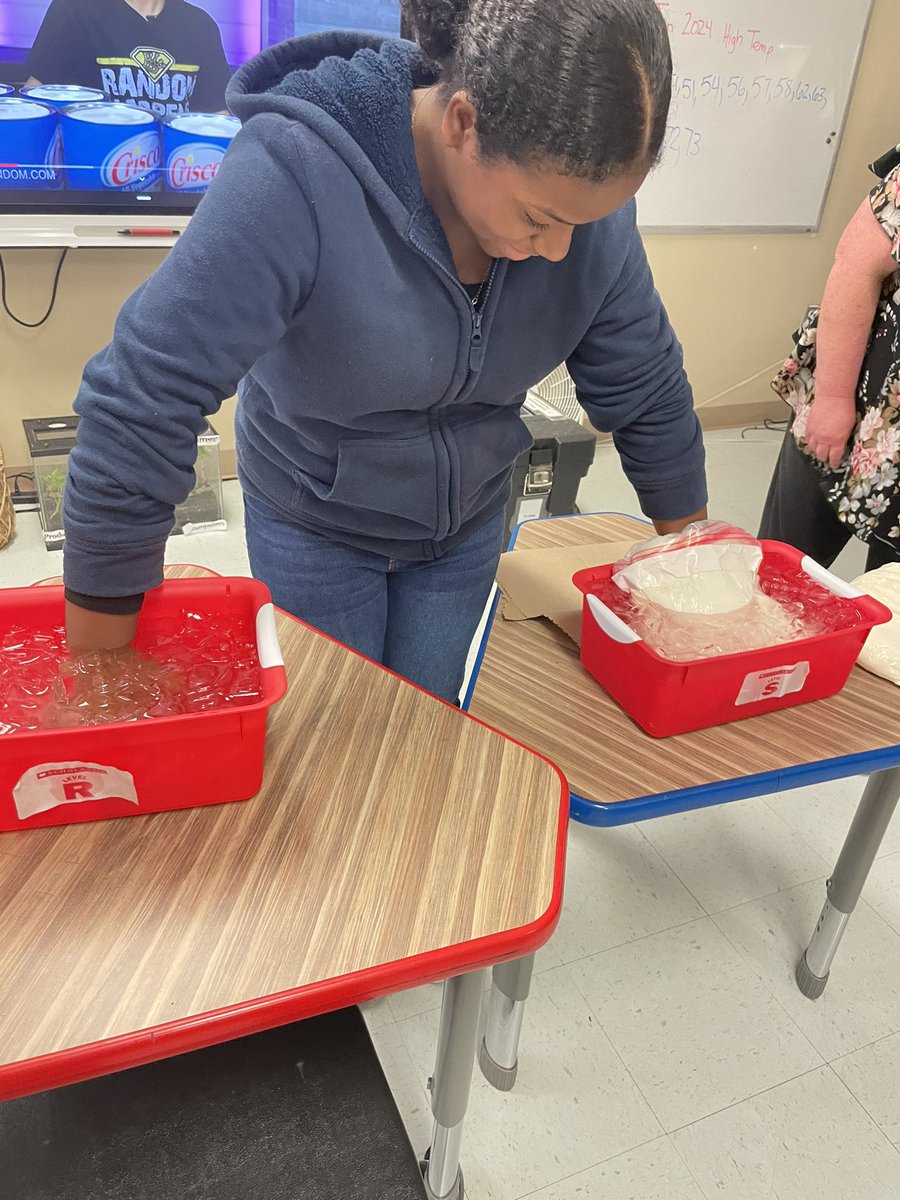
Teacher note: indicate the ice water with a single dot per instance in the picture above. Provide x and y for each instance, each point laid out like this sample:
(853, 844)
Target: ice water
(790, 606)
(181, 663)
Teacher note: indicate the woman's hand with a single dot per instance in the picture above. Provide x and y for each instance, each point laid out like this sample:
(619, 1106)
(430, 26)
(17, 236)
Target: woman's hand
(828, 427)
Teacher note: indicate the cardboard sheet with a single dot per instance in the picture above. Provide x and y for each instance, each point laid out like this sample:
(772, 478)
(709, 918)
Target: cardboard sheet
(538, 583)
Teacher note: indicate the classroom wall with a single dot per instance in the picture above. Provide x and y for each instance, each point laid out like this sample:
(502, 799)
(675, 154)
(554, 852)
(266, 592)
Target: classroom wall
(734, 298)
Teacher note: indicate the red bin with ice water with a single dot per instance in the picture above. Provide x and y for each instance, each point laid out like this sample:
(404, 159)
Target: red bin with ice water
(62, 776)
(667, 698)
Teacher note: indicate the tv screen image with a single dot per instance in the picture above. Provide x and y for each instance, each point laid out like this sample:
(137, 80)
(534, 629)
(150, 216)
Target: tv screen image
(106, 109)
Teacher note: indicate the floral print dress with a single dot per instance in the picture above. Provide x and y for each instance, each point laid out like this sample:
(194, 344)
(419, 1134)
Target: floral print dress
(863, 490)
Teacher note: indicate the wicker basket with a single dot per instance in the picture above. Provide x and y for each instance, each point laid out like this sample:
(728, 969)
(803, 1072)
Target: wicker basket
(7, 512)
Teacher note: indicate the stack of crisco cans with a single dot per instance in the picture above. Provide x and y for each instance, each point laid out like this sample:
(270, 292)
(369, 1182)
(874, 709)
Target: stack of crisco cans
(52, 132)
(29, 144)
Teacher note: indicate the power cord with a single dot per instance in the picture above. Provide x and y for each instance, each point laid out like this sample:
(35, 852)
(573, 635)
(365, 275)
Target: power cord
(768, 426)
(23, 501)
(46, 317)
(734, 387)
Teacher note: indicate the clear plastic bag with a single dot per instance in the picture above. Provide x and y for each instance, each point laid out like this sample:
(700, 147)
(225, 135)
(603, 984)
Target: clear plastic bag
(709, 569)
(704, 593)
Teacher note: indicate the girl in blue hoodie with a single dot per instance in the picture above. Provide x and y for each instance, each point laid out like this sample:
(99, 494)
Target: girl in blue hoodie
(401, 240)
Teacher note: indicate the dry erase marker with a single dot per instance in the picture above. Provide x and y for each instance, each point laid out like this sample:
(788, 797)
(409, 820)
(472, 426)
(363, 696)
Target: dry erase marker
(140, 232)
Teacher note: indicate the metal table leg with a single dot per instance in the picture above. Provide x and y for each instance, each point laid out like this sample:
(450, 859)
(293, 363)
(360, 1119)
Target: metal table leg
(498, 1054)
(451, 1083)
(846, 884)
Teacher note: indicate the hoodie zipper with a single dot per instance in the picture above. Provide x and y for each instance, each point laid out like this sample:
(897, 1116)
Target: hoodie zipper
(476, 341)
(476, 346)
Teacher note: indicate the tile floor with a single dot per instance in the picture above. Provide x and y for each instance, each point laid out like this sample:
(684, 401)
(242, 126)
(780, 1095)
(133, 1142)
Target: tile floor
(667, 1054)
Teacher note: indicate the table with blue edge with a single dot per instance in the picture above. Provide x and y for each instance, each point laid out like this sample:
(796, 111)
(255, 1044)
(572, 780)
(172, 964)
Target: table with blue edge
(529, 683)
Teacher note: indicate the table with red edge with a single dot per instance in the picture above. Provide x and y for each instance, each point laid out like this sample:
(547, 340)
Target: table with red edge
(386, 849)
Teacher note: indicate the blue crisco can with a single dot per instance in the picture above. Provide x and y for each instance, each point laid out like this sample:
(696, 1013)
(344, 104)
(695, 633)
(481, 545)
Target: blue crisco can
(194, 145)
(110, 147)
(59, 94)
(29, 147)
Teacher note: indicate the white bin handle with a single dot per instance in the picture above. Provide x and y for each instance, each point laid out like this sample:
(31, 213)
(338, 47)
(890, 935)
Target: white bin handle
(611, 625)
(267, 644)
(817, 572)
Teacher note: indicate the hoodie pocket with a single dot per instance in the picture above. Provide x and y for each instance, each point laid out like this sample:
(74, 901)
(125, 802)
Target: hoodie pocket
(485, 451)
(383, 488)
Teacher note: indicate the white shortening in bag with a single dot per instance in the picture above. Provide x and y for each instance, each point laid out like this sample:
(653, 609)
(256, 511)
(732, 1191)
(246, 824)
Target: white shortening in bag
(709, 579)
(881, 653)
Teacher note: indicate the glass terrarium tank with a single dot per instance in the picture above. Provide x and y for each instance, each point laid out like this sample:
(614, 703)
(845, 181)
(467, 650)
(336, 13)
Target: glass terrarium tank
(49, 443)
(50, 440)
(203, 511)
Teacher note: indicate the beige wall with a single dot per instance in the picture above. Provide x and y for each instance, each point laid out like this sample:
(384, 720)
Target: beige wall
(734, 298)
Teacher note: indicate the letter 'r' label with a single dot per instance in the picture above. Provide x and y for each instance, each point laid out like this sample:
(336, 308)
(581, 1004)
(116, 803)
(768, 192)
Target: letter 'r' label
(773, 684)
(51, 784)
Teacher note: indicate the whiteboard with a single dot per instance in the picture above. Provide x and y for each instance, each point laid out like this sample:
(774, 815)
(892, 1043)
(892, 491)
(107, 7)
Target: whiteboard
(760, 95)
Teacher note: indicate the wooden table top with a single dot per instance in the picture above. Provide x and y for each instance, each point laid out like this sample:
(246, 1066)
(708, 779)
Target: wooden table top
(532, 686)
(395, 841)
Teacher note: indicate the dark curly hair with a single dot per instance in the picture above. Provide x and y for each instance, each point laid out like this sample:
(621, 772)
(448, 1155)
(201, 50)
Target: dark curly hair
(585, 84)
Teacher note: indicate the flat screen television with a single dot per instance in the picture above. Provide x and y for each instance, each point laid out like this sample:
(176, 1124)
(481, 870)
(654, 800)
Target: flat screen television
(113, 119)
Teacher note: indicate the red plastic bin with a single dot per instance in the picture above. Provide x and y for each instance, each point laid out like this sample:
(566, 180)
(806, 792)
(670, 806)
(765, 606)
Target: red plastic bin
(63, 776)
(667, 698)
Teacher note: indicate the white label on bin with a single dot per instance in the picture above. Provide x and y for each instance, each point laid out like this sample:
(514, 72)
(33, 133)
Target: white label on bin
(51, 784)
(203, 527)
(771, 684)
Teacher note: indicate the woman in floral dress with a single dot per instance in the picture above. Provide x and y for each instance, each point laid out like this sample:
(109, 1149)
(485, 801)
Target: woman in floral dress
(838, 473)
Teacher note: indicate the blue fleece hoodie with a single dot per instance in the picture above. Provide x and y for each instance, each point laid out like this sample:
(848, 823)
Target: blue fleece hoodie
(374, 407)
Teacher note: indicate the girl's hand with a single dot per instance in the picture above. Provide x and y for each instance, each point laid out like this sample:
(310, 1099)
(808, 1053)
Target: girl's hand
(829, 426)
(666, 527)
(89, 631)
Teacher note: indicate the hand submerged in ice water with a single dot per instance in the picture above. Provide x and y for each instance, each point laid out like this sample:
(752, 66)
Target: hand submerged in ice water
(185, 662)
(104, 678)
(44, 686)
(190, 671)
(97, 687)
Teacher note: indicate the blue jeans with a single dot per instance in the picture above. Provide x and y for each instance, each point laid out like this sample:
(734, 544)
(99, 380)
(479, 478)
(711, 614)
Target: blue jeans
(416, 618)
